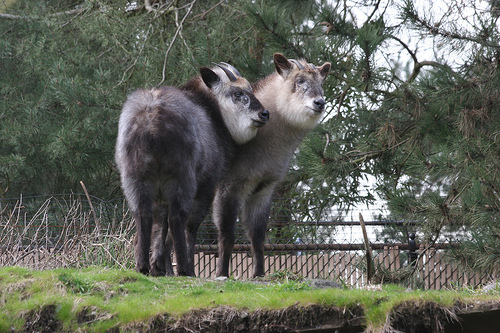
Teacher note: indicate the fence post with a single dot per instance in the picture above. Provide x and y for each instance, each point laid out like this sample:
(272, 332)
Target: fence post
(412, 254)
(369, 256)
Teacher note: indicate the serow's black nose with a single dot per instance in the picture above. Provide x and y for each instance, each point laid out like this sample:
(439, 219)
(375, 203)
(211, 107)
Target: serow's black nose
(264, 115)
(319, 104)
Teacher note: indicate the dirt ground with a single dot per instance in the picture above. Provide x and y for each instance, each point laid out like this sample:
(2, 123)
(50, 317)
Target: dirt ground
(227, 319)
(409, 317)
(422, 317)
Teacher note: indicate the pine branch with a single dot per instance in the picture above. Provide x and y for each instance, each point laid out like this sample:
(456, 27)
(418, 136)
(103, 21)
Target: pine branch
(369, 155)
(285, 42)
(342, 97)
(435, 29)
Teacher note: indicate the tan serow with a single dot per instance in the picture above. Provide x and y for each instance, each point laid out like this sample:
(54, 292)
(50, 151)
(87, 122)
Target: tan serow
(294, 97)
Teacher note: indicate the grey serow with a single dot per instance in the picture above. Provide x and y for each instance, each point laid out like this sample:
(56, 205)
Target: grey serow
(172, 148)
(294, 96)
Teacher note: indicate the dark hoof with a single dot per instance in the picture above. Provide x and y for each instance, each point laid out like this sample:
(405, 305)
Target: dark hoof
(156, 272)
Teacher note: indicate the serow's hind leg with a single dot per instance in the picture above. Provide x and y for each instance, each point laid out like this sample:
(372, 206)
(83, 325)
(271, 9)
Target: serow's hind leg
(255, 218)
(143, 222)
(225, 213)
(177, 220)
(169, 246)
(199, 211)
(159, 235)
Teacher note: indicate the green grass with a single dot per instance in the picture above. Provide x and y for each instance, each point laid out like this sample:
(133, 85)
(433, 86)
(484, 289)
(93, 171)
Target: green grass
(121, 297)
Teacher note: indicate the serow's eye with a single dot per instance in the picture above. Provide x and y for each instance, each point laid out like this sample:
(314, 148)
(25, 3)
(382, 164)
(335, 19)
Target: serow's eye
(238, 94)
(300, 80)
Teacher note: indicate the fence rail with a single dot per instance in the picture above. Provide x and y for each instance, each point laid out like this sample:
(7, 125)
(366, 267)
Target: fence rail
(318, 247)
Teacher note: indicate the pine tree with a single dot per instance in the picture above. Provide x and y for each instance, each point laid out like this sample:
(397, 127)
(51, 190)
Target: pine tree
(427, 128)
(446, 168)
(66, 68)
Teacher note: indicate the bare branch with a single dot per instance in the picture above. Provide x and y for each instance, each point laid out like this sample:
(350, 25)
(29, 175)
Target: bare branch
(13, 17)
(374, 11)
(32, 18)
(406, 47)
(132, 66)
(166, 8)
(149, 7)
(418, 64)
(418, 67)
(179, 27)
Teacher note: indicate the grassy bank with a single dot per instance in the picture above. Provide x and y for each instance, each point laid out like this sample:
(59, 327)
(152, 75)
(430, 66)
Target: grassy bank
(100, 299)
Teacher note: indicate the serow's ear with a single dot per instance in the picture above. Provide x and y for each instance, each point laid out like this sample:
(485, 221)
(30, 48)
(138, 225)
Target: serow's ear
(283, 66)
(325, 69)
(209, 77)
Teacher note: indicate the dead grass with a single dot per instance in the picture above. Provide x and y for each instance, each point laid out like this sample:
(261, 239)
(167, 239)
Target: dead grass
(63, 233)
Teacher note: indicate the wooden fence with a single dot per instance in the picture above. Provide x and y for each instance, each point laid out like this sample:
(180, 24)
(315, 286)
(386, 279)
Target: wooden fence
(430, 271)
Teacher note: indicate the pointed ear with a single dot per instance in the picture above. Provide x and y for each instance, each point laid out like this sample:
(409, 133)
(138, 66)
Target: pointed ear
(209, 77)
(283, 66)
(325, 69)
